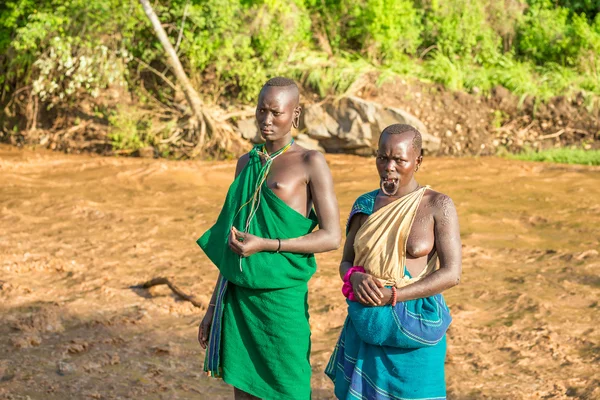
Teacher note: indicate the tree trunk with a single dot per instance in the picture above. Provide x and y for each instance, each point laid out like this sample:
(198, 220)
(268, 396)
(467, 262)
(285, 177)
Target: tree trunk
(191, 95)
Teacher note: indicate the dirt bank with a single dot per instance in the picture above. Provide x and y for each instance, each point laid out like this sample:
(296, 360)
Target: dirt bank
(470, 124)
(77, 231)
(467, 124)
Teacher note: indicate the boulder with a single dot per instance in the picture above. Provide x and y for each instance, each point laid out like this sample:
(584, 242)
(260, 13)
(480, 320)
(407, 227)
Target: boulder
(390, 115)
(352, 134)
(408, 118)
(431, 144)
(248, 129)
(318, 123)
(353, 125)
(367, 109)
(308, 143)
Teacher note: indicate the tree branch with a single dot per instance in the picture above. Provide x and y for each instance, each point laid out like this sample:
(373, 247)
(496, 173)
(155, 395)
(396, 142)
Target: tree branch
(174, 288)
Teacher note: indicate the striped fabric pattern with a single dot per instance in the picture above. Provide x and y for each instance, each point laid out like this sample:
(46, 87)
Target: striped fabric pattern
(212, 361)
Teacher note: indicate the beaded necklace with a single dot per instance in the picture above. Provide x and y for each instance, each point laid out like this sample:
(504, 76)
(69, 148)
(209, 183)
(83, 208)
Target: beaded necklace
(263, 174)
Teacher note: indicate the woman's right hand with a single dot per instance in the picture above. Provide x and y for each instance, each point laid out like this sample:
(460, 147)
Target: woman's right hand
(204, 328)
(366, 289)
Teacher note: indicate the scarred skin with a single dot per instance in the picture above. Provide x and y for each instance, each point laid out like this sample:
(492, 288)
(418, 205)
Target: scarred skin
(299, 177)
(435, 228)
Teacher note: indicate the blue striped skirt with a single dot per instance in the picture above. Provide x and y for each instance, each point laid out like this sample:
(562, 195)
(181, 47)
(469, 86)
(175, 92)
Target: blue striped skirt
(392, 352)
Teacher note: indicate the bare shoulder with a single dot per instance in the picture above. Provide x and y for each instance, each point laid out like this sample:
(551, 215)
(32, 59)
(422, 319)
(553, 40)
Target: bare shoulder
(244, 158)
(442, 206)
(357, 221)
(241, 163)
(313, 158)
(316, 167)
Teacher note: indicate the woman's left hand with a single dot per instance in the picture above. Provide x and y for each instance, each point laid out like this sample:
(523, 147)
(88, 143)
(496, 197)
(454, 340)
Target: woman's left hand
(367, 290)
(244, 244)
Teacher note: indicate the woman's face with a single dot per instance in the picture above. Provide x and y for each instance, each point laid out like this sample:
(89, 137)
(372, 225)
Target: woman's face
(396, 161)
(277, 110)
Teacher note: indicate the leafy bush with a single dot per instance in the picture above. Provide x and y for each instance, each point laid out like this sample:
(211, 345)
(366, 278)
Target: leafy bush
(504, 17)
(63, 73)
(460, 27)
(545, 34)
(591, 8)
(241, 44)
(443, 69)
(588, 41)
(64, 48)
(325, 75)
(385, 30)
(130, 129)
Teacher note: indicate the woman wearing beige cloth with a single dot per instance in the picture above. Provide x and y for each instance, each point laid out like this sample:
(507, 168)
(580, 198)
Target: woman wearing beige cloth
(393, 343)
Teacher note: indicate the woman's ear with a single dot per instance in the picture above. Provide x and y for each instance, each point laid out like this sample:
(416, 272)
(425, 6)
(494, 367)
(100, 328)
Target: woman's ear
(419, 161)
(296, 120)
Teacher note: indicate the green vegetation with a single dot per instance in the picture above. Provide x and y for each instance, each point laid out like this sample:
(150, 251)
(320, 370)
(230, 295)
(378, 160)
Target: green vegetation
(562, 156)
(65, 51)
(230, 47)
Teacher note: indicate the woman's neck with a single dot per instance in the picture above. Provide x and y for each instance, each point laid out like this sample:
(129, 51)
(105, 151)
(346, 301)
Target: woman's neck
(271, 146)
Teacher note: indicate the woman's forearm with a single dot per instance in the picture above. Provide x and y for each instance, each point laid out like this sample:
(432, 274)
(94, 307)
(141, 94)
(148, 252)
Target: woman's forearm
(430, 286)
(344, 267)
(437, 282)
(315, 242)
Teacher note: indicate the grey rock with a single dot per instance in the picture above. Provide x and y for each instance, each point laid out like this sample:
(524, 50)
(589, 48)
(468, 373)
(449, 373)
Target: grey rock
(362, 138)
(331, 124)
(386, 118)
(390, 115)
(318, 123)
(308, 143)
(367, 109)
(65, 368)
(352, 132)
(409, 119)
(431, 144)
(248, 129)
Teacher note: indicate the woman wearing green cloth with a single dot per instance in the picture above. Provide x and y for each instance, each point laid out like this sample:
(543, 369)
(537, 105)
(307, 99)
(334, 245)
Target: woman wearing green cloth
(256, 329)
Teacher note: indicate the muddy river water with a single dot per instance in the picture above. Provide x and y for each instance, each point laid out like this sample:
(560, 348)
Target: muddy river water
(77, 231)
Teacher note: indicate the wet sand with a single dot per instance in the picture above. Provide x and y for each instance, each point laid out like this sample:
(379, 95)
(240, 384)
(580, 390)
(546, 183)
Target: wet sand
(77, 231)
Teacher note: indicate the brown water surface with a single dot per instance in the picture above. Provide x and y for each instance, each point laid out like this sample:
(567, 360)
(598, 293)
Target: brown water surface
(77, 231)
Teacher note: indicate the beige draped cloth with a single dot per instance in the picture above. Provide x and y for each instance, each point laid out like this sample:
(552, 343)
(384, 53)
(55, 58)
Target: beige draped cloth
(380, 243)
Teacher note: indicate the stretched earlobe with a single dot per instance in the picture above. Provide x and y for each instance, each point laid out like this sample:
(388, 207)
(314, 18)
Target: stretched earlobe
(419, 160)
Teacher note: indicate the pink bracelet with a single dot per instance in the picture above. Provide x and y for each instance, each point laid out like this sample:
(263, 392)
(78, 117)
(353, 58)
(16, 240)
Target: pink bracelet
(347, 287)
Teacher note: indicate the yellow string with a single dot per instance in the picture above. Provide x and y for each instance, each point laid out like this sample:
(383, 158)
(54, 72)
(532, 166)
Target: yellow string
(255, 199)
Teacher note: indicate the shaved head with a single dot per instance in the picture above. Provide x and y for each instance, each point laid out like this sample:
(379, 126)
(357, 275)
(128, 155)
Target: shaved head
(403, 129)
(281, 81)
(284, 83)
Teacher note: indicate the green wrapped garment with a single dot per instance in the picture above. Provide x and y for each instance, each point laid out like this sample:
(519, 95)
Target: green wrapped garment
(260, 338)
